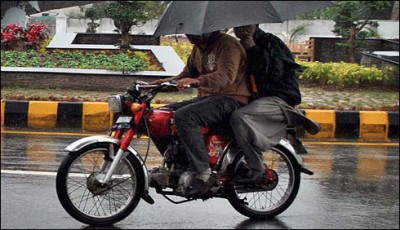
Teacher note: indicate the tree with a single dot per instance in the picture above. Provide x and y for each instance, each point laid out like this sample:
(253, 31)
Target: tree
(351, 17)
(132, 13)
(125, 15)
(92, 14)
(156, 8)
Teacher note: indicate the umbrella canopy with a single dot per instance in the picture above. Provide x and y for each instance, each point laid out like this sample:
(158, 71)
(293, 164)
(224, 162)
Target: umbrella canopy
(199, 17)
(40, 6)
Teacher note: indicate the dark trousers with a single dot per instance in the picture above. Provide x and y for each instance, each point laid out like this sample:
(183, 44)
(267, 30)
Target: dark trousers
(192, 115)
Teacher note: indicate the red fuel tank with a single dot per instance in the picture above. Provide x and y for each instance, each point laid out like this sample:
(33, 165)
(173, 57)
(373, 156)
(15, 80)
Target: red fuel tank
(159, 122)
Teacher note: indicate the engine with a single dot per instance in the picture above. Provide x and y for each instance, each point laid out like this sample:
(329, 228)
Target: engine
(173, 172)
(162, 178)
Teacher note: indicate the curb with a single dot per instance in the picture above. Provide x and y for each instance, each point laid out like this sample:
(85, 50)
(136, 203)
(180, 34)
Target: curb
(96, 117)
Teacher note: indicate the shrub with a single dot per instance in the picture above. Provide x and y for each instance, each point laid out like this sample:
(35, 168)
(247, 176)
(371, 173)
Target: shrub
(344, 75)
(73, 59)
(336, 74)
(42, 47)
(182, 48)
(14, 36)
(146, 59)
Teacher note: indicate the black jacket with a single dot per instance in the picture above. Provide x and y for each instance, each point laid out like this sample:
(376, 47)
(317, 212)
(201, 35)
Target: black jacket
(274, 68)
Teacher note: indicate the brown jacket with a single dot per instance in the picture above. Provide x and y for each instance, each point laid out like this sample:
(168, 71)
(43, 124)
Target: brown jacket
(220, 68)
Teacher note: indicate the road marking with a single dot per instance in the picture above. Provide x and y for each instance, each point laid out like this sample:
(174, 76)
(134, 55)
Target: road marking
(350, 143)
(20, 172)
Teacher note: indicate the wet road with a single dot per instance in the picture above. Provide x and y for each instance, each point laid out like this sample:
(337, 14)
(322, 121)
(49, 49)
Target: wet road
(354, 186)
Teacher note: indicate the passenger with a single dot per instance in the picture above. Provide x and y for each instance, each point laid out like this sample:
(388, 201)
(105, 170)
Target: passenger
(275, 89)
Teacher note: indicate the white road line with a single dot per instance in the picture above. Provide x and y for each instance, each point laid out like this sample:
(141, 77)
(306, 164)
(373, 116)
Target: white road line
(20, 172)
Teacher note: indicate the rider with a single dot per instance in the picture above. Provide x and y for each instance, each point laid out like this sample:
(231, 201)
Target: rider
(217, 64)
(262, 123)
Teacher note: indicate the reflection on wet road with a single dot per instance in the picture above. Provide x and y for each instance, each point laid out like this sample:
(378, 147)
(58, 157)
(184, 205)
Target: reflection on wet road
(45, 152)
(354, 186)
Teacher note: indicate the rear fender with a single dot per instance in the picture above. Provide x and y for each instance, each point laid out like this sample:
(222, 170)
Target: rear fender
(284, 145)
(232, 157)
(83, 142)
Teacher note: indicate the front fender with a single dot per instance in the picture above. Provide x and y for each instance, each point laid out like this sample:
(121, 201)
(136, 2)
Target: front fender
(83, 142)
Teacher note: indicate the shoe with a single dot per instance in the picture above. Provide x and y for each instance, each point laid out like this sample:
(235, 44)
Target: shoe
(200, 183)
(197, 187)
(251, 176)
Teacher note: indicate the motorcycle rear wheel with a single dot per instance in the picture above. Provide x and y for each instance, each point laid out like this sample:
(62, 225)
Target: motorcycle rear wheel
(266, 203)
(85, 199)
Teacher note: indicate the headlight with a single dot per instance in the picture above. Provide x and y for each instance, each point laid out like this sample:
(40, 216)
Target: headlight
(115, 103)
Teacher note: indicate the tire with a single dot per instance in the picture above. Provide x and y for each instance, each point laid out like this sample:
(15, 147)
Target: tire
(267, 202)
(90, 203)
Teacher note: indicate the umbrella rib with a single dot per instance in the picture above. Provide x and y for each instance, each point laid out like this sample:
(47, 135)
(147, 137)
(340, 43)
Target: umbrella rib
(203, 16)
(276, 12)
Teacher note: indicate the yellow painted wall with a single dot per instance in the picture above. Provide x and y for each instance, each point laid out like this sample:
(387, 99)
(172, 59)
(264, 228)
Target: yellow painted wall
(42, 114)
(327, 120)
(95, 116)
(374, 125)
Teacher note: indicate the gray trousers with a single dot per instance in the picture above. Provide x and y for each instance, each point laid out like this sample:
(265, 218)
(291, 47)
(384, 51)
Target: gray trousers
(257, 127)
(190, 116)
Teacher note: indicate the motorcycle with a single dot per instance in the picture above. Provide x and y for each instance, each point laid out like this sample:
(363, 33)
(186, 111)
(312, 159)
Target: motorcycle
(103, 178)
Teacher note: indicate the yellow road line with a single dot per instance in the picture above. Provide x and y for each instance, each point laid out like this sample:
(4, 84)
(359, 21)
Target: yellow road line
(350, 143)
(145, 137)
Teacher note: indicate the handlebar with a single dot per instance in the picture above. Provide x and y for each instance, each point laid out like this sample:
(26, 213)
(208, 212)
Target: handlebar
(152, 90)
(145, 85)
(173, 84)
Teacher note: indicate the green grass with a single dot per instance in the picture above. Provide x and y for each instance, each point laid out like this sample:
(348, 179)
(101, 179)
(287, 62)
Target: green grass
(128, 61)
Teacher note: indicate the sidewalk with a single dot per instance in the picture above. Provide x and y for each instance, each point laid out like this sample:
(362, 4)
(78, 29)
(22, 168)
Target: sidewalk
(95, 117)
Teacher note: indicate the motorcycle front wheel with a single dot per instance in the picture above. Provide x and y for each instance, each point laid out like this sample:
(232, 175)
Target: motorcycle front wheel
(91, 202)
(270, 200)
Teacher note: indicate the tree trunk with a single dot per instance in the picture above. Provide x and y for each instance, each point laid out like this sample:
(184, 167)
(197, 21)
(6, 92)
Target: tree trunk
(395, 11)
(125, 38)
(352, 44)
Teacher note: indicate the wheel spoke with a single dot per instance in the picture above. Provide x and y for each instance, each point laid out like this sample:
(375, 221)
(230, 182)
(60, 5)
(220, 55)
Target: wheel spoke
(276, 193)
(94, 199)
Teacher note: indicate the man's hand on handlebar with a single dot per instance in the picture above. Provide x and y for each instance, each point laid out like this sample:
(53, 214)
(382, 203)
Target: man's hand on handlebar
(157, 82)
(181, 84)
(187, 82)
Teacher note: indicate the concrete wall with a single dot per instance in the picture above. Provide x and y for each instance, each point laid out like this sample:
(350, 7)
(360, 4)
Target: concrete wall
(96, 116)
(112, 39)
(326, 49)
(106, 26)
(40, 80)
(387, 29)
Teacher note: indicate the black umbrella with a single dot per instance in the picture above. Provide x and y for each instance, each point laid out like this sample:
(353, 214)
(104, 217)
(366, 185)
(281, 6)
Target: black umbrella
(39, 6)
(199, 17)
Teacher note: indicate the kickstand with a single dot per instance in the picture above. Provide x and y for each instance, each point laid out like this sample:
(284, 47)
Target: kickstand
(177, 202)
(240, 201)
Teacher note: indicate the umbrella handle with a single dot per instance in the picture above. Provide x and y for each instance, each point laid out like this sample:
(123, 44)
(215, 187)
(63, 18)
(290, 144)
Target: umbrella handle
(177, 28)
(253, 84)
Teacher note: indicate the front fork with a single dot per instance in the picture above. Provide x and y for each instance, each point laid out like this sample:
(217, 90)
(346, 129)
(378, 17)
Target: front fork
(121, 154)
